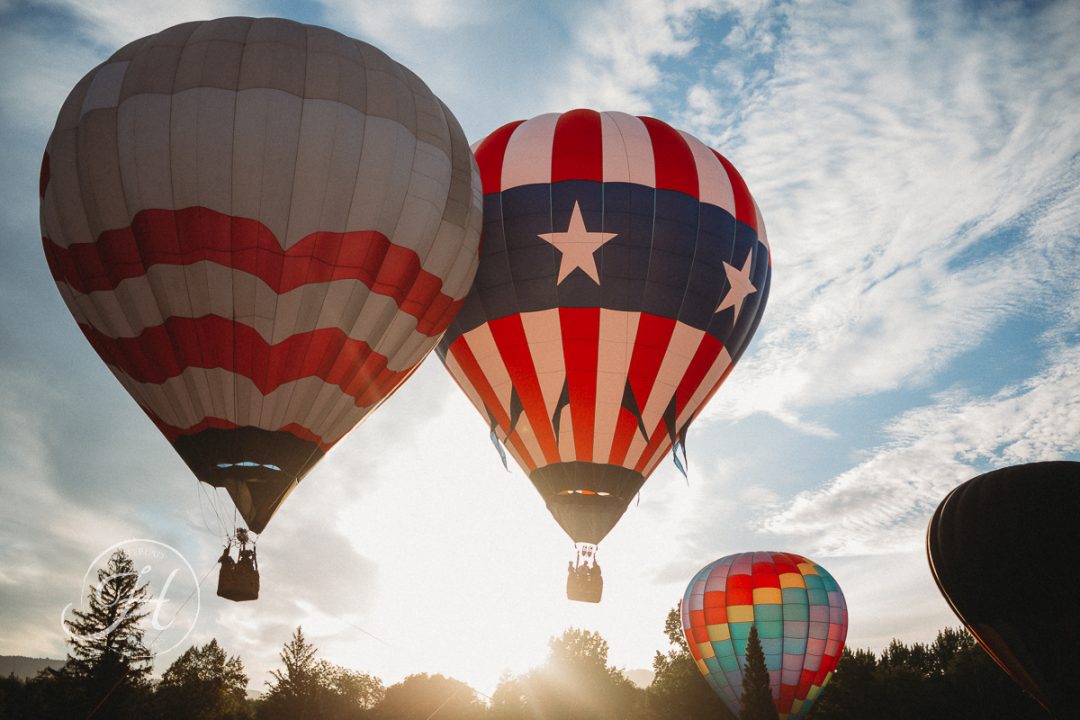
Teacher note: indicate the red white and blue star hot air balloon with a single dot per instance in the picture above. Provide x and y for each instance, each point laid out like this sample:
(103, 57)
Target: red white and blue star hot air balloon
(624, 268)
(262, 227)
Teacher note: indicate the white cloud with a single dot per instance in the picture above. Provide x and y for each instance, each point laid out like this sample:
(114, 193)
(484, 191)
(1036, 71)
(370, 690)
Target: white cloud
(884, 503)
(884, 152)
(618, 46)
(114, 24)
(396, 24)
(38, 73)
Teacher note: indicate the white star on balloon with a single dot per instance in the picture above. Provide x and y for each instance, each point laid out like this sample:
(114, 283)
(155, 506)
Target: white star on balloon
(739, 280)
(577, 246)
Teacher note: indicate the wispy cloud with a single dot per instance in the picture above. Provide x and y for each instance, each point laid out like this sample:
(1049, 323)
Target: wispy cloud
(618, 47)
(904, 166)
(883, 504)
(114, 24)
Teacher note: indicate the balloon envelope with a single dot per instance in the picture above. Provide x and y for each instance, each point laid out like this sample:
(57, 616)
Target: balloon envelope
(624, 268)
(1002, 547)
(262, 227)
(801, 619)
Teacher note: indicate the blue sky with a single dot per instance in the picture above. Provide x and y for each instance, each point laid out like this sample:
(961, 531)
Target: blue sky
(917, 168)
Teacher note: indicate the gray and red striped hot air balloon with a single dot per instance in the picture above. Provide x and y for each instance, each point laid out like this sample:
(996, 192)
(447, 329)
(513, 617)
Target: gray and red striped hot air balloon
(624, 268)
(262, 227)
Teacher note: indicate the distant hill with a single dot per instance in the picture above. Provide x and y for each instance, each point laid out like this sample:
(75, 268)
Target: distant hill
(26, 667)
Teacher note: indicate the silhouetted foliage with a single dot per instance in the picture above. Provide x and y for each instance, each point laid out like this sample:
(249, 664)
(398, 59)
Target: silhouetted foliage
(678, 690)
(423, 695)
(107, 666)
(756, 702)
(308, 687)
(205, 683)
(948, 679)
(575, 684)
(951, 678)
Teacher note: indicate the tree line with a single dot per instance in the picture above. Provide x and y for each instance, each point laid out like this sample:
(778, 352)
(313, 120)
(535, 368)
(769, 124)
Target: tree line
(107, 676)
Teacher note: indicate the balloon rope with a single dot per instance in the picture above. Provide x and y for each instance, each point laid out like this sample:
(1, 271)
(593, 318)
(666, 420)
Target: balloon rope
(196, 589)
(448, 699)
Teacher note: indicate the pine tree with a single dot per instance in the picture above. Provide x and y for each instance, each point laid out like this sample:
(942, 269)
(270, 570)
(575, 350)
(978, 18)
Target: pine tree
(309, 687)
(295, 690)
(756, 702)
(107, 667)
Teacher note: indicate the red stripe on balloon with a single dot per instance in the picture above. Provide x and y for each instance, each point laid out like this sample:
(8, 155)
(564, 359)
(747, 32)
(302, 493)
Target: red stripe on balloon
(704, 357)
(580, 334)
(674, 160)
(165, 351)
(744, 202)
(650, 346)
(577, 151)
(510, 338)
(787, 698)
(490, 153)
(463, 354)
(196, 234)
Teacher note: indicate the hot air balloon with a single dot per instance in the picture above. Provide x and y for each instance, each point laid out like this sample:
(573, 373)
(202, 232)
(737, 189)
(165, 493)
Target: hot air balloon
(262, 227)
(801, 619)
(624, 268)
(1002, 548)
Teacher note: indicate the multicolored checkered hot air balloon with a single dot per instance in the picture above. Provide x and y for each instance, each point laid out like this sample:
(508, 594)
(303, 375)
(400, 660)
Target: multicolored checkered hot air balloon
(801, 618)
(262, 227)
(624, 268)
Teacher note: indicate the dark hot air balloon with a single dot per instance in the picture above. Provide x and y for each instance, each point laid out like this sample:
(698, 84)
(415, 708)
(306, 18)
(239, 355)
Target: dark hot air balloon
(623, 271)
(1002, 547)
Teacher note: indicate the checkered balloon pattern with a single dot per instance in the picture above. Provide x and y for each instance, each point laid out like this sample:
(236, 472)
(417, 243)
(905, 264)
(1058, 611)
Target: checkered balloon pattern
(801, 618)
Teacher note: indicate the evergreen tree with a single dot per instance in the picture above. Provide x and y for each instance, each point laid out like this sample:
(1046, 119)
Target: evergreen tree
(107, 667)
(203, 682)
(309, 687)
(756, 702)
(294, 690)
(11, 697)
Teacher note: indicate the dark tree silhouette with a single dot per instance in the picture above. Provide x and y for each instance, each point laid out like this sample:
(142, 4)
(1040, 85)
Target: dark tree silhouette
(678, 689)
(951, 678)
(350, 694)
(294, 690)
(205, 683)
(756, 702)
(423, 695)
(105, 675)
(308, 687)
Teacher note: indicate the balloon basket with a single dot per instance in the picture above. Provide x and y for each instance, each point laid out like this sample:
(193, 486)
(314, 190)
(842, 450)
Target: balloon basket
(238, 580)
(584, 582)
